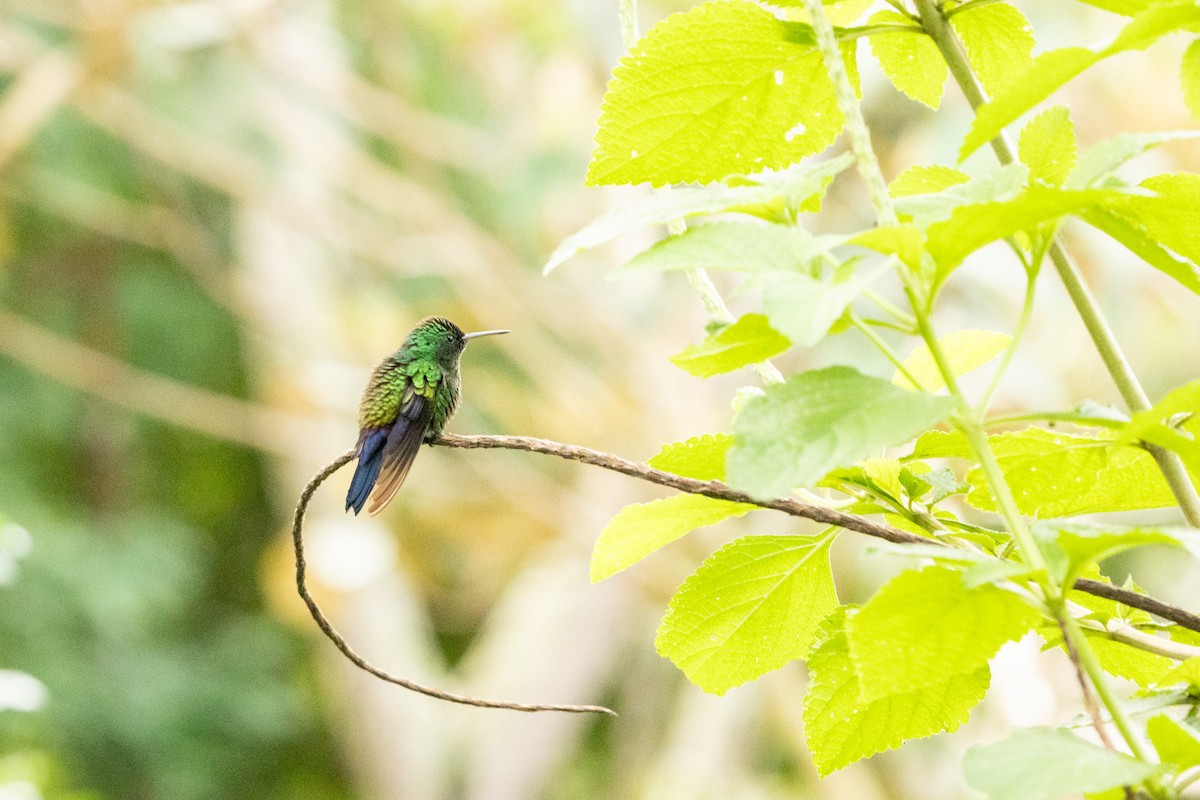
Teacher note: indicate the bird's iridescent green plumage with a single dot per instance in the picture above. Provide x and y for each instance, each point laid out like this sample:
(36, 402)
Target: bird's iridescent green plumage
(408, 400)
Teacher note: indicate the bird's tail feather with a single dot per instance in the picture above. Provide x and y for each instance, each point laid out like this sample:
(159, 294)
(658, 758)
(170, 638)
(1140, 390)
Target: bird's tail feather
(370, 461)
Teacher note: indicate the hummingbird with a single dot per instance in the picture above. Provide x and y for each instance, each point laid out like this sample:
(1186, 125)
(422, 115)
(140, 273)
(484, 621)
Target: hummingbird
(408, 400)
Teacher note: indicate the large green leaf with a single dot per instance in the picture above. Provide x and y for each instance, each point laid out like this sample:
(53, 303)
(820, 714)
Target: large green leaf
(750, 340)
(752, 607)
(998, 40)
(1129, 232)
(1048, 147)
(1046, 763)
(910, 60)
(816, 421)
(737, 246)
(640, 529)
(925, 626)
(841, 728)
(1049, 71)
(965, 350)
(725, 88)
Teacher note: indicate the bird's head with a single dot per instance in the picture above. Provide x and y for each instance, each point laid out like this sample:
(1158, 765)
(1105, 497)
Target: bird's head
(440, 340)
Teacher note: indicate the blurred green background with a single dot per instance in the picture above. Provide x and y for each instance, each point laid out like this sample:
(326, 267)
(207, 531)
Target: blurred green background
(215, 217)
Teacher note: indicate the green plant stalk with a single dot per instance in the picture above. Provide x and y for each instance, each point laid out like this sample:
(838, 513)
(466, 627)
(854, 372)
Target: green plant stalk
(884, 348)
(943, 35)
(1006, 359)
(1118, 366)
(885, 214)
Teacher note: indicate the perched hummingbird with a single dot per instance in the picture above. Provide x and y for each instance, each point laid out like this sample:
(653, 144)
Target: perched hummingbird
(408, 400)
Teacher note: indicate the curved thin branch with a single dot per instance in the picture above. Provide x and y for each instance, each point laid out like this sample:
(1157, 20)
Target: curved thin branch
(331, 633)
(827, 516)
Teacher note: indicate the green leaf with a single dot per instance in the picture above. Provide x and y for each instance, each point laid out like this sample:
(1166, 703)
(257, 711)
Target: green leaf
(1176, 742)
(1106, 156)
(971, 227)
(1171, 423)
(723, 89)
(750, 340)
(1055, 474)
(1048, 146)
(803, 308)
(1001, 183)
(998, 40)
(752, 607)
(1131, 663)
(911, 61)
(925, 626)
(1049, 71)
(842, 729)
(906, 242)
(737, 246)
(1137, 240)
(817, 421)
(661, 208)
(966, 350)
(1074, 544)
(925, 180)
(1168, 217)
(1043, 77)
(1187, 672)
(1046, 763)
(639, 529)
(1190, 76)
(701, 457)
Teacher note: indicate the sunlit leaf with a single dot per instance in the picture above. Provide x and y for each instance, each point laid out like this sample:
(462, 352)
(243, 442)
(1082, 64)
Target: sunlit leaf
(841, 728)
(724, 88)
(966, 350)
(924, 626)
(1177, 742)
(925, 180)
(701, 457)
(911, 61)
(640, 529)
(750, 340)
(753, 606)
(998, 41)
(1048, 147)
(1190, 77)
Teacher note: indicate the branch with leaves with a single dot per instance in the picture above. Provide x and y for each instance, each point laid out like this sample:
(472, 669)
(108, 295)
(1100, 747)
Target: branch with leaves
(713, 489)
(756, 92)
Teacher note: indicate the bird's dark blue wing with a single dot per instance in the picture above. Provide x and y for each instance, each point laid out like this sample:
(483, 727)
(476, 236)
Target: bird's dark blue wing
(370, 459)
(400, 448)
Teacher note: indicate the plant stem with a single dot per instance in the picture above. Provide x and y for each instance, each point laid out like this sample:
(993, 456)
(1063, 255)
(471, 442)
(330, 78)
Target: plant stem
(1018, 334)
(884, 348)
(935, 24)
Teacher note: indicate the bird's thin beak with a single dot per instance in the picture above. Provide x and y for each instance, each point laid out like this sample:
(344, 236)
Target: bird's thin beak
(477, 334)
